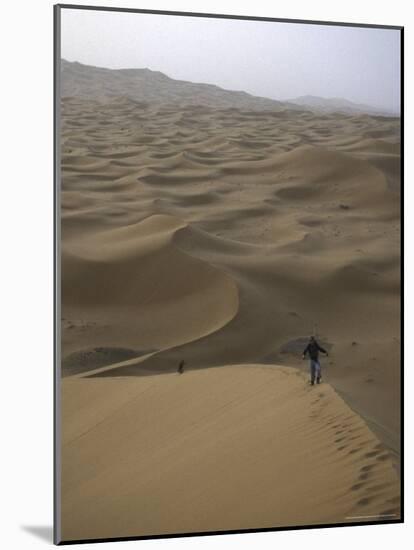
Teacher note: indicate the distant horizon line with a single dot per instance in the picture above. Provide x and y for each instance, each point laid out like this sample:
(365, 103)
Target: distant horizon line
(280, 100)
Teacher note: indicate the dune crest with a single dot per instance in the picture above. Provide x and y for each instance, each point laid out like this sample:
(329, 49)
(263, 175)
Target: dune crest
(235, 447)
(150, 293)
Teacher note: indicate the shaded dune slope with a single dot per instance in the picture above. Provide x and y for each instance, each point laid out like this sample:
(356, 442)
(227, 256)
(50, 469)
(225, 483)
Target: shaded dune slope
(149, 291)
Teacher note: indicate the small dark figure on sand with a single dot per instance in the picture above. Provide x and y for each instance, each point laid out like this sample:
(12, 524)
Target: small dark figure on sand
(181, 367)
(313, 349)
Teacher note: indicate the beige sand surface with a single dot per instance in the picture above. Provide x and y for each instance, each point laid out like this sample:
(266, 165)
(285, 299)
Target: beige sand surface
(218, 237)
(233, 447)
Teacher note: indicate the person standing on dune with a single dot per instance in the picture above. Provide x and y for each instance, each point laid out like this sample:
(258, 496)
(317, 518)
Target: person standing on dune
(180, 369)
(313, 349)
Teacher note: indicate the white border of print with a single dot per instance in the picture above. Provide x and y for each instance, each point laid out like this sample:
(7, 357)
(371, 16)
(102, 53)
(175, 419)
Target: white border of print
(26, 320)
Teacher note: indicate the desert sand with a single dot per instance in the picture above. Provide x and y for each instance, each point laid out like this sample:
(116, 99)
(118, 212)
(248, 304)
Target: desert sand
(233, 447)
(224, 237)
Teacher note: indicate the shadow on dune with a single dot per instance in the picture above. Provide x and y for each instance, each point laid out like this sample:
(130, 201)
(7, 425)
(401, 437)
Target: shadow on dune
(153, 365)
(90, 359)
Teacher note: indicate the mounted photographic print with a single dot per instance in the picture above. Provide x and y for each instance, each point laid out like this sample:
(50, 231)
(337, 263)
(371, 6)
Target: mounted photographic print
(228, 195)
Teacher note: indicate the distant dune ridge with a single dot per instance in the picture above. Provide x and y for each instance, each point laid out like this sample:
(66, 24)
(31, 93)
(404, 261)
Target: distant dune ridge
(219, 229)
(79, 80)
(338, 105)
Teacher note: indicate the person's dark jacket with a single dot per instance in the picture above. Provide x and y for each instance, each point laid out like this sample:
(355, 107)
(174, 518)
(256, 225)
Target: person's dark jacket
(313, 349)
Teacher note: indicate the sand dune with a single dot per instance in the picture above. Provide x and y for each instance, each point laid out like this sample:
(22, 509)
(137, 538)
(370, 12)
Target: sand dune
(225, 236)
(140, 290)
(216, 449)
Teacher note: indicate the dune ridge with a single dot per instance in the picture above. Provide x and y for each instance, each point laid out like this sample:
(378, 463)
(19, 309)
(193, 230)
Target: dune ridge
(134, 281)
(224, 448)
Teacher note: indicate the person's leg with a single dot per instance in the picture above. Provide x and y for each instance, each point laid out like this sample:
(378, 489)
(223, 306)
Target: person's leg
(312, 371)
(318, 371)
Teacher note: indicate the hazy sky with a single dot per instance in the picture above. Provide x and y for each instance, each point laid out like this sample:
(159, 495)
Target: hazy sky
(276, 60)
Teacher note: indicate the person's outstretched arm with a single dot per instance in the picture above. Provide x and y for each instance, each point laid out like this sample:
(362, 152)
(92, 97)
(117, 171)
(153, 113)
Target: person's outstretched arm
(320, 348)
(305, 351)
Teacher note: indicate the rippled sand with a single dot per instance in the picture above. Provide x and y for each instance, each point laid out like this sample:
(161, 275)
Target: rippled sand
(224, 237)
